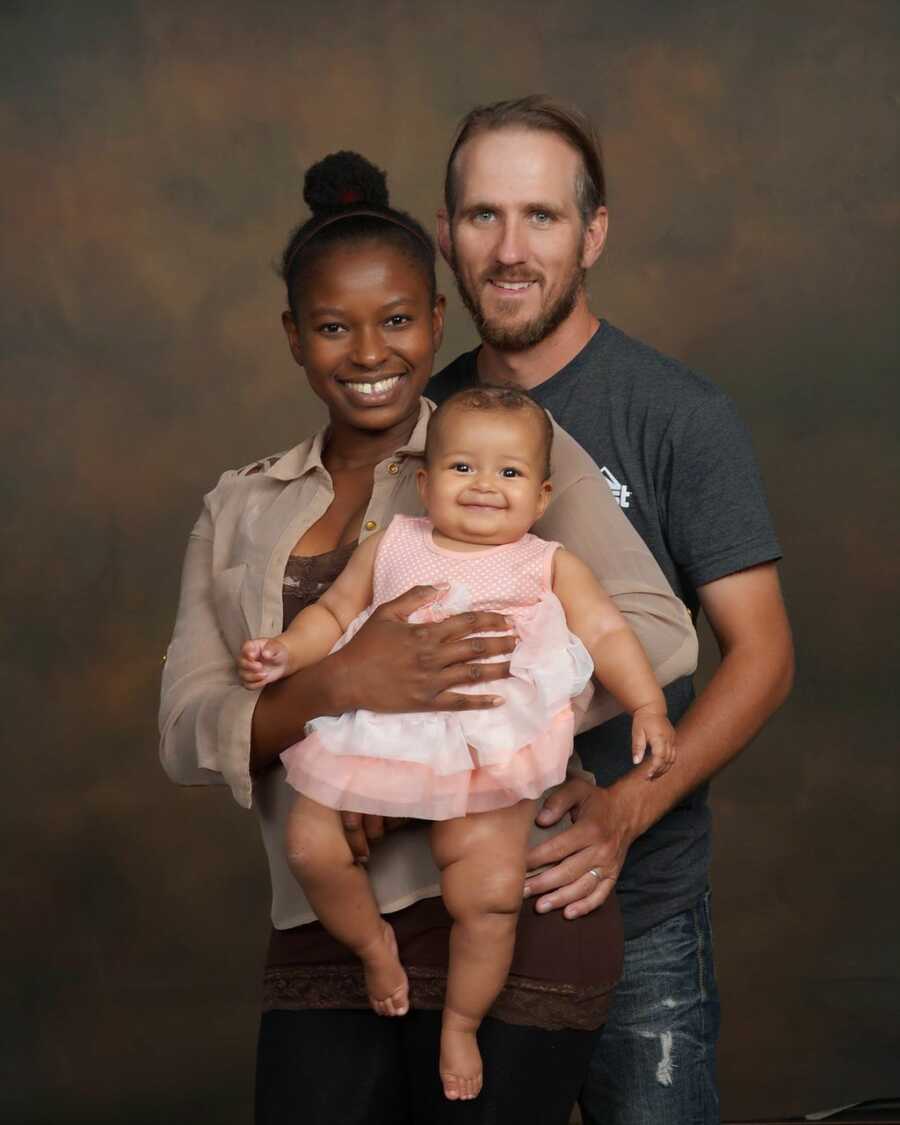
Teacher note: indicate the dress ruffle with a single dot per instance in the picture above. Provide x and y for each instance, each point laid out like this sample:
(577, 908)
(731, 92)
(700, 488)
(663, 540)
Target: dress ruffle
(442, 764)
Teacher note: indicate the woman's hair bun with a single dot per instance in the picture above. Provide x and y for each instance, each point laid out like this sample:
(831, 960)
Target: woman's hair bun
(344, 179)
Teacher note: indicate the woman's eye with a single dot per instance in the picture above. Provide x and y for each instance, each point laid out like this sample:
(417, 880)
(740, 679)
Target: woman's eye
(330, 329)
(508, 473)
(399, 320)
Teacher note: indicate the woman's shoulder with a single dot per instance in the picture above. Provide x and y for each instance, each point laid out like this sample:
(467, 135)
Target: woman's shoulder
(276, 469)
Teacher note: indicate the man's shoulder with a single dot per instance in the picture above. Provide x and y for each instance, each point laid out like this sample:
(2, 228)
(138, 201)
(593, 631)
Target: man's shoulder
(650, 373)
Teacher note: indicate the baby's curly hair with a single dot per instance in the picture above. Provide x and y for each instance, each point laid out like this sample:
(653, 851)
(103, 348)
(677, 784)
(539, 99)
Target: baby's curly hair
(495, 397)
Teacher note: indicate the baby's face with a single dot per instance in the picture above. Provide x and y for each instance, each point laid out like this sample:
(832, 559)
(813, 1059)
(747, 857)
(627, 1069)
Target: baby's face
(485, 481)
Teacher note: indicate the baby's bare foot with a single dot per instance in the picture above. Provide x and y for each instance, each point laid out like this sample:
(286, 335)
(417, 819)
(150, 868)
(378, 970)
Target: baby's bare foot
(460, 1064)
(386, 981)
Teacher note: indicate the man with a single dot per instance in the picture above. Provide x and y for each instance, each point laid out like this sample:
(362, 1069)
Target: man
(525, 217)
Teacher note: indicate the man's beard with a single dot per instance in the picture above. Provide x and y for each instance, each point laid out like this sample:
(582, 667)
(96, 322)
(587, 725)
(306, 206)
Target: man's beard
(519, 337)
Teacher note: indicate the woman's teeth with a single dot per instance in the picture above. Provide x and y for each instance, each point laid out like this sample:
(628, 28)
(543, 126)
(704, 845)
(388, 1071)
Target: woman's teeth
(379, 388)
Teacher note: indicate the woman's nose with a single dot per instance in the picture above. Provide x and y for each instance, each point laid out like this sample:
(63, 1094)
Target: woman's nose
(369, 349)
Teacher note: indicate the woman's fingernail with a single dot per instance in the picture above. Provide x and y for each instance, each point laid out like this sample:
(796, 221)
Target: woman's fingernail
(526, 891)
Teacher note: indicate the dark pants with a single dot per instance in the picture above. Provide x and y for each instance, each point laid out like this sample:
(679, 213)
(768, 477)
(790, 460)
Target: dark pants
(356, 1068)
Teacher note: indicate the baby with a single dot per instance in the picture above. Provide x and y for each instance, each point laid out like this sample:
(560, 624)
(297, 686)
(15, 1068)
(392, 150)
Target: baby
(476, 774)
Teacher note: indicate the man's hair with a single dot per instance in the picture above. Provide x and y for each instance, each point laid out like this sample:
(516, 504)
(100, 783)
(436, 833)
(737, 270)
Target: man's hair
(543, 114)
(494, 397)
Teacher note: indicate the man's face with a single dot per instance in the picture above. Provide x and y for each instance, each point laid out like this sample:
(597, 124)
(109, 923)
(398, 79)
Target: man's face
(516, 242)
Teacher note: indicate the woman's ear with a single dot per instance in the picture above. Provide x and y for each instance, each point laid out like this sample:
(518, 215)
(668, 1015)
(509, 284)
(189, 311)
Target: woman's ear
(293, 336)
(437, 321)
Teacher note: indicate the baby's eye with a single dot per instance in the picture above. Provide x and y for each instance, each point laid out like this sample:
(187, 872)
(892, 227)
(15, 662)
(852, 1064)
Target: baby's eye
(461, 467)
(398, 320)
(509, 472)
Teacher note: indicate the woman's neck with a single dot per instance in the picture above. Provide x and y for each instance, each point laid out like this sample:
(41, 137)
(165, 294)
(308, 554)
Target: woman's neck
(347, 448)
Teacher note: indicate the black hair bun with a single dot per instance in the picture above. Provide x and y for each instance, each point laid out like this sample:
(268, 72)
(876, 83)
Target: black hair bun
(344, 179)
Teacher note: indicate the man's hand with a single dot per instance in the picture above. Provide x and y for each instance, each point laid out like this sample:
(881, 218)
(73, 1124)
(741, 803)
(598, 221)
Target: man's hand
(391, 665)
(588, 856)
(363, 830)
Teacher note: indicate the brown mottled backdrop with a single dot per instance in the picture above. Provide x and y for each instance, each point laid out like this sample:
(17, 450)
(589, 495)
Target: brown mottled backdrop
(152, 154)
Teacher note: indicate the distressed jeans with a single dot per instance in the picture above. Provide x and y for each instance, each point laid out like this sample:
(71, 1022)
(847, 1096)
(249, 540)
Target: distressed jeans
(656, 1060)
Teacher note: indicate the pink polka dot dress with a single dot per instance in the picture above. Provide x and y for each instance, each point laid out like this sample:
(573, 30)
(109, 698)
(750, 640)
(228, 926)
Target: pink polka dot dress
(438, 765)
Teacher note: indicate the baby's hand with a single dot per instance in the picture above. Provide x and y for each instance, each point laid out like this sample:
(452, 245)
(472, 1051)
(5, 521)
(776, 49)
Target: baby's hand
(654, 730)
(262, 661)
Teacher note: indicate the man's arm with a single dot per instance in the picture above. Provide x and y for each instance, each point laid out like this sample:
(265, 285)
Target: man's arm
(747, 616)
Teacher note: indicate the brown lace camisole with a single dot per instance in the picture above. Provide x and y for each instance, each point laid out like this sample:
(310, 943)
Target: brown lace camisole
(563, 972)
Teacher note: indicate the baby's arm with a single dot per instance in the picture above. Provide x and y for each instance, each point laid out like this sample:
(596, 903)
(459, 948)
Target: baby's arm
(315, 630)
(620, 663)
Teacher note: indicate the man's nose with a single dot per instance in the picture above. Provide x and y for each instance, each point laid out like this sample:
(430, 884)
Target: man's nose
(511, 249)
(369, 348)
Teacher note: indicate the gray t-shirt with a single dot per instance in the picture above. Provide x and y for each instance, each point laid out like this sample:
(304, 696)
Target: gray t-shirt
(680, 464)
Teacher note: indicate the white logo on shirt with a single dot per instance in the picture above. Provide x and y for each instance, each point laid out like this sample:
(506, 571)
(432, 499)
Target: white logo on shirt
(621, 492)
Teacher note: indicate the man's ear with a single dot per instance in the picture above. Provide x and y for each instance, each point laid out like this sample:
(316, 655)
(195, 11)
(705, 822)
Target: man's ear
(594, 238)
(293, 336)
(437, 321)
(443, 236)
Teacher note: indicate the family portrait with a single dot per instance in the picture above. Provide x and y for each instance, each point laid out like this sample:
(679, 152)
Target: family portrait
(466, 521)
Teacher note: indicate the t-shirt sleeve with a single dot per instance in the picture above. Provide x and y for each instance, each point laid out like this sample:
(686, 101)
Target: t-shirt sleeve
(718, 521)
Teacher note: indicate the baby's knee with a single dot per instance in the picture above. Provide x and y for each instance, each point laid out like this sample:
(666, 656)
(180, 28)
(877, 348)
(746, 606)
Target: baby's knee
(312, 850)
(492, 888)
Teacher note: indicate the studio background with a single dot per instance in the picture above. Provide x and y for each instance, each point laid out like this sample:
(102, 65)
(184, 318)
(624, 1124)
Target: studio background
(152, 163)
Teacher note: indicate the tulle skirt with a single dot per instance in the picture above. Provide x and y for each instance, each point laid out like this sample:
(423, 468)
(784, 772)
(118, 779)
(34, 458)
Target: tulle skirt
(442, 764)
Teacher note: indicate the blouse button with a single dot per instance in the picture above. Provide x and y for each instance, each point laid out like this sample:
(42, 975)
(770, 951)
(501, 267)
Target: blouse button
(371, 525)
(393, 468)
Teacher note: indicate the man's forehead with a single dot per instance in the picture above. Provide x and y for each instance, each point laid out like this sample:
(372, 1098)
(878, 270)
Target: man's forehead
(517, 164)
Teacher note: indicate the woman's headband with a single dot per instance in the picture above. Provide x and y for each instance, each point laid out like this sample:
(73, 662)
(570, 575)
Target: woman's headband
(356, 212)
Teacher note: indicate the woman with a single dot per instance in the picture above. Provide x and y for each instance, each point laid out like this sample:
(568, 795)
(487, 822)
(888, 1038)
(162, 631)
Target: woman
(364, 322)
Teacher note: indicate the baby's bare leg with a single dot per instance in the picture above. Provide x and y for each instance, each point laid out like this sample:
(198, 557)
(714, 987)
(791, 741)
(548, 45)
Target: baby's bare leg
(482, 863)
(340, 893)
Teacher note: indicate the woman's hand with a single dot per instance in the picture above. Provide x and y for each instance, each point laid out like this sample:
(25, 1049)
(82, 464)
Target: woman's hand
(363, 830)
(391, 665)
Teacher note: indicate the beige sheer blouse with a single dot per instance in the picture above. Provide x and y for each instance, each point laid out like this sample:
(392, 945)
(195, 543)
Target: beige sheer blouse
(231, 590)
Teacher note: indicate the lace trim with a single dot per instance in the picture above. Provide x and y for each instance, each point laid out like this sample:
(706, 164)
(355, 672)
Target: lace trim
(306, 578)
(523, 1001)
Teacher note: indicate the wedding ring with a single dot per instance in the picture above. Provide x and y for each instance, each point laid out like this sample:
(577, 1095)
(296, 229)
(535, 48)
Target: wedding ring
(593, 871)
